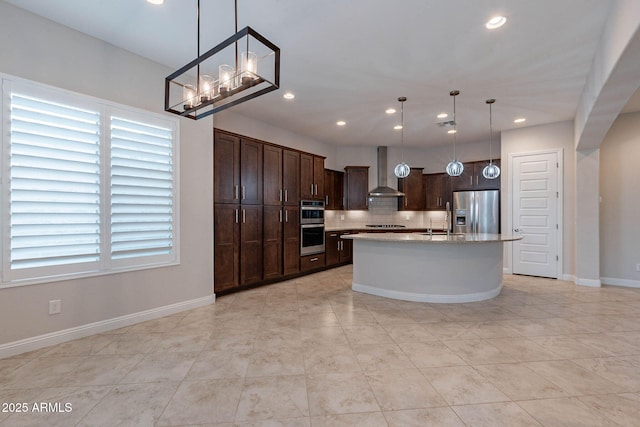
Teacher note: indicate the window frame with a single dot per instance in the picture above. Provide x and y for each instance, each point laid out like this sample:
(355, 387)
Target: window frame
(107, 109)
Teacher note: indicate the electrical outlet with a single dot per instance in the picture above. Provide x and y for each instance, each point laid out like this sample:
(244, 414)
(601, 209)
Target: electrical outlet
(54, 306)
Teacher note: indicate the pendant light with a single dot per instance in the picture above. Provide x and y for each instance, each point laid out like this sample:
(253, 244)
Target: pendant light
(490, 171)
(455, 167)
(402, 169)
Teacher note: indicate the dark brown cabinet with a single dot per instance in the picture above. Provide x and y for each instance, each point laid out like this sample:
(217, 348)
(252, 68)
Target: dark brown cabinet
(437, 191)
(226, 246)
(472, 179)
(356, 187)
(237, 169)
(291, 177)
(272, 242)
(311, 177)
(250, 172)
(482, 182)
(333, 189)
(413, 189)
(291, 240)
(226, 168)
(311, 262)
(337, 249)
(332, 247)
(272, 176)
(250, 244)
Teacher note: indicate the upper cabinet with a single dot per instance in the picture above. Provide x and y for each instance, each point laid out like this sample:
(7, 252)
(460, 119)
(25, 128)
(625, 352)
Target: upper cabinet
(437, 191)
(291, 177)
(311, 177)
(281, 176)
(356, 184)
(237, 169)
(226, 168)
(413, 189)
(333, 189)
(472, 179)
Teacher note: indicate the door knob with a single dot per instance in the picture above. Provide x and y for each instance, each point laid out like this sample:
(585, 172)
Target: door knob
(516, 230)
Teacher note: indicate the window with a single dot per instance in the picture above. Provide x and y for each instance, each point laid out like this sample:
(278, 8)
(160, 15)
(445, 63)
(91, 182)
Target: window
(88, 186)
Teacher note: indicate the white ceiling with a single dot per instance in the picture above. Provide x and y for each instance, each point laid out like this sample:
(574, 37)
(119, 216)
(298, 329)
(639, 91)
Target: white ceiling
(351, 59)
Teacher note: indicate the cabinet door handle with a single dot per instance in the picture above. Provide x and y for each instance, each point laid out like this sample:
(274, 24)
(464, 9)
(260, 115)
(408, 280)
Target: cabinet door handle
(236, 216)
(280, 215)
(316, 189)
(477, 179)
(312, 189)
(332, 235)
(338, 245)
(235, 192)
(406, 201)
(286, 216)
(471, 180)
(244, 193)
(326, 199)
(280, 194)
(341, 245)
(244, 216)
(313, 260)
(286, 195)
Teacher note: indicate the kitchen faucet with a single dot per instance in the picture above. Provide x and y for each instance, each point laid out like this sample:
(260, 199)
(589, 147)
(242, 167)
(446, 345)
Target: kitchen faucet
(446, 218)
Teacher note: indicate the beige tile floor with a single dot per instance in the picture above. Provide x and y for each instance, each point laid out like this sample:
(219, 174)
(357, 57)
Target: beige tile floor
(310, 352)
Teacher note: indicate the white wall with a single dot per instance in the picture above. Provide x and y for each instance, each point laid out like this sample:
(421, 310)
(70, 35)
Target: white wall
(37, 49)
(539, 138)
(230, 121)
(620, 205)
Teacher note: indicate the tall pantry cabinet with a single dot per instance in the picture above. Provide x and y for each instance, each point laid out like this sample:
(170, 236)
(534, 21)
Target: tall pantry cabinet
(237, 175)
(257, 191)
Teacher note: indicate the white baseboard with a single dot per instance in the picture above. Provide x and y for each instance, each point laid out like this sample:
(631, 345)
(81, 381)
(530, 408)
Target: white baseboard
(433, 298)
(620, 282)
(569, 278)
(588, 282)
(52, 338)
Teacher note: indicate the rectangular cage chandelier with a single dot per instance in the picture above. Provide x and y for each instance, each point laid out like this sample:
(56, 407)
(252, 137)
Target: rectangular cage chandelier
(243, 67)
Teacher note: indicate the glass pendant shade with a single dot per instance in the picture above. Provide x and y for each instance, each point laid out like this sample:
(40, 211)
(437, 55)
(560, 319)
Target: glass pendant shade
(402, 170)
(455, 168)
(491, 171)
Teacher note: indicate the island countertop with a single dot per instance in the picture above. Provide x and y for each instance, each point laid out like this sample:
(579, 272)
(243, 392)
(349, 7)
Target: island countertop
(433, 238)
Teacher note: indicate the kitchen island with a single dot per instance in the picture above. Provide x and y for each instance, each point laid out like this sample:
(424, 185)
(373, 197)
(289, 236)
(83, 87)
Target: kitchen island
(437, 268)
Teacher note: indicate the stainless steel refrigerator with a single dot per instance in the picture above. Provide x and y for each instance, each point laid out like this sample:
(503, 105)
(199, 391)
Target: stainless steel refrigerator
(476, 211)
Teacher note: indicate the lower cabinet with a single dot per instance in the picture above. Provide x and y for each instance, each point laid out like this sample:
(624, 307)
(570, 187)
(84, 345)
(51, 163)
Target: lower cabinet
(291, 240)
(250, 244)
(338, 250)
(238, 242)
(311, 262)
(272, 266)
(226, 246)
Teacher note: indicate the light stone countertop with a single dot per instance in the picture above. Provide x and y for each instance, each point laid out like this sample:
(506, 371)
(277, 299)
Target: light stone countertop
(435, 238)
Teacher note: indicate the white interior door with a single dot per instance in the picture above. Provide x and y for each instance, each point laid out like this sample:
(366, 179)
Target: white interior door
(535, 214)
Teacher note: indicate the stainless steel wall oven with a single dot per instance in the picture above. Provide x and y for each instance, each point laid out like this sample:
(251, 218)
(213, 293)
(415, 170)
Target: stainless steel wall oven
(311, 227)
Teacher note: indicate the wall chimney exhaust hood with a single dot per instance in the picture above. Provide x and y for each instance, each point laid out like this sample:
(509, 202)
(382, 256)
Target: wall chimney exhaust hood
(383, 190)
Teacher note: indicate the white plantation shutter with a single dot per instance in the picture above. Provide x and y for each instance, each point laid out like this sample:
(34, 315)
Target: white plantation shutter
(54, 184)
(142, 193)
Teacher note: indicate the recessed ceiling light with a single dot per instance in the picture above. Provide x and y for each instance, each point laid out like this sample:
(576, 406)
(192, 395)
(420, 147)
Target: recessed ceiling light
(156, 2)
(443, 115)
(495, 22)
(390, 110)
(341, 123)
(288, 95)
(397, 127)
(452, 131)
(520, 120)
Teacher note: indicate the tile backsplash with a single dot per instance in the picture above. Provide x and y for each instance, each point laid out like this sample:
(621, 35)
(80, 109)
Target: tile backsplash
(384, 210)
